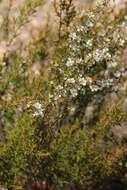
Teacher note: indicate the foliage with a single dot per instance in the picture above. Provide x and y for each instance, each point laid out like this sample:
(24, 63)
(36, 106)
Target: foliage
(65, 11)
(43, 104)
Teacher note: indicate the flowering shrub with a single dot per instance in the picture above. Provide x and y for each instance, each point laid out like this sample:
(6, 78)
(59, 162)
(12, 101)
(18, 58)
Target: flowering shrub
(91, 64)
(43, 131)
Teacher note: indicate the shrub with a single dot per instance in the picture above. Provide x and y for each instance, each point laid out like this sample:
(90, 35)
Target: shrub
(43, 132)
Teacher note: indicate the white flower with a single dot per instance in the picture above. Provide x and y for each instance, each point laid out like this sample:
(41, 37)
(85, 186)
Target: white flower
(28, 106)
(94, 88)
(117, 74)
(71, 80)
(74, 48)
(69, 62)
(110, 81)
(59, 87)
(80, 29)
(90, 24)
(89, 43)
(105, 50)
(61, 71)
(105, 53)
(72, 110)
(112, 64)
(73, 35)
(74, 92)
(97, 55)
(38, 113)
(37, 105)
(82, 81)
(122, 42)
(91, 15)
(108, 55)
(39, 110)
